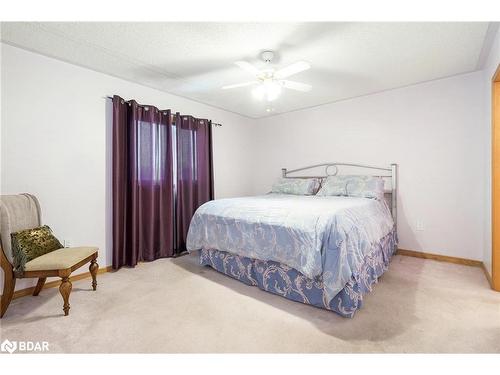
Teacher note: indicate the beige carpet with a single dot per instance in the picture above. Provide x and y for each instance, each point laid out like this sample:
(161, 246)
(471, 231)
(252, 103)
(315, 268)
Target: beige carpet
(174, 305)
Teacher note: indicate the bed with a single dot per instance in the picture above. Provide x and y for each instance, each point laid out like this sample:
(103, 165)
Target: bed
(322, 250)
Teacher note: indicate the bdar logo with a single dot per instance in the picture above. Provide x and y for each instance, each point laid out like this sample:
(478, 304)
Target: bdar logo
(8, 346)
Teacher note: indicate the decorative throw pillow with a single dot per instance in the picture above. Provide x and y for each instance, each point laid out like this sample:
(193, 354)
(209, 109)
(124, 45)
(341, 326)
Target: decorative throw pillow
(296, 186)
(29, 244)
(353, 186)
(334, 185)
(366, 187)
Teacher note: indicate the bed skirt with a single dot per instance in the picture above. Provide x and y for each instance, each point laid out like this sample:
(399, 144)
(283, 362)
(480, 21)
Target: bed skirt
(287, 282)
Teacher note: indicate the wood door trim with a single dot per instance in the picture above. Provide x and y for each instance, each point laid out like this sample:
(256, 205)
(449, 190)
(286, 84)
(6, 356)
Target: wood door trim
(495, 180)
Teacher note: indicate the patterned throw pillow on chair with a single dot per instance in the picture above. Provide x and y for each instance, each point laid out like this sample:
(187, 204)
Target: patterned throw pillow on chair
(29, 244)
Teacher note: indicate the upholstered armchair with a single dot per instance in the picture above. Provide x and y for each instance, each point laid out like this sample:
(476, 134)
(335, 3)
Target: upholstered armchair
(19, 212)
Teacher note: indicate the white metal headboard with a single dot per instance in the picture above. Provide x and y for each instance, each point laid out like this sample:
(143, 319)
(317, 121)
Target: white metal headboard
(332, 169)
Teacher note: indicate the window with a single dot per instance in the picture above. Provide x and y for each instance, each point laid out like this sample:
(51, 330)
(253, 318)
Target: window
(152, 147)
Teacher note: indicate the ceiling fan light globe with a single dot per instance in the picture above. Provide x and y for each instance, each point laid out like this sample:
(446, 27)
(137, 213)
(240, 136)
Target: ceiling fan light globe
(273, 90)
(259, 92)
(271, 96)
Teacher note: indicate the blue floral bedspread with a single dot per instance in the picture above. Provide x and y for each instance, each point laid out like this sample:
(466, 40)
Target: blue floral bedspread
(328, 237)
(287, 282)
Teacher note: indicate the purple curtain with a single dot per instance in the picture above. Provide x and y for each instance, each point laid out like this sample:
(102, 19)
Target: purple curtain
(143, 222)
(194, 171)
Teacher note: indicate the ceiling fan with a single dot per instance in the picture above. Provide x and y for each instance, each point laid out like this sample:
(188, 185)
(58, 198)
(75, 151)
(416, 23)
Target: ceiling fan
(271, 81)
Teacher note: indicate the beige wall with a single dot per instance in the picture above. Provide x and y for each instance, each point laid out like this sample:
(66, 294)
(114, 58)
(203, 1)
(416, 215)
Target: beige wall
(56, 134)
(433, 130)
(56, 142)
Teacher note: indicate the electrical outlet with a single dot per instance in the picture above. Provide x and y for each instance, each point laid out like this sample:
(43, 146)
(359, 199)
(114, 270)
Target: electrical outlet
(419, 225)
(67, 243)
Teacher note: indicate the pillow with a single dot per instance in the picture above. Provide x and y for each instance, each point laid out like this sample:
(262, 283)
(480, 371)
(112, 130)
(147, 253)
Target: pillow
(333, 185)
(353, 186)
(366, 187)
(29, 244)
(297, 186)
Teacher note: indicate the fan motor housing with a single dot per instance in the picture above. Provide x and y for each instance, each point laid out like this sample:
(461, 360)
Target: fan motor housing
(267, 56)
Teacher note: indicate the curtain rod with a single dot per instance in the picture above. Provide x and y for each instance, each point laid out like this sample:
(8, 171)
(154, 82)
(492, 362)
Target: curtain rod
(141, 105)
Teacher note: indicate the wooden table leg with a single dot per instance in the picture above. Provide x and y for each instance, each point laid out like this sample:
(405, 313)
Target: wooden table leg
(39, 286)
(93, 271)
(65, 290)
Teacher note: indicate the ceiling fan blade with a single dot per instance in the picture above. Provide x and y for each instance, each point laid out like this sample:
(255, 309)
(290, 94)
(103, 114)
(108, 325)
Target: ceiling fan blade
(304, 87)
(248, 67)
(292, 69)
(243, 84)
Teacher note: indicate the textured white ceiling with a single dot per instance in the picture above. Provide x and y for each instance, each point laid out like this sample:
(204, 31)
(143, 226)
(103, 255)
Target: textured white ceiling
(195, 59)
